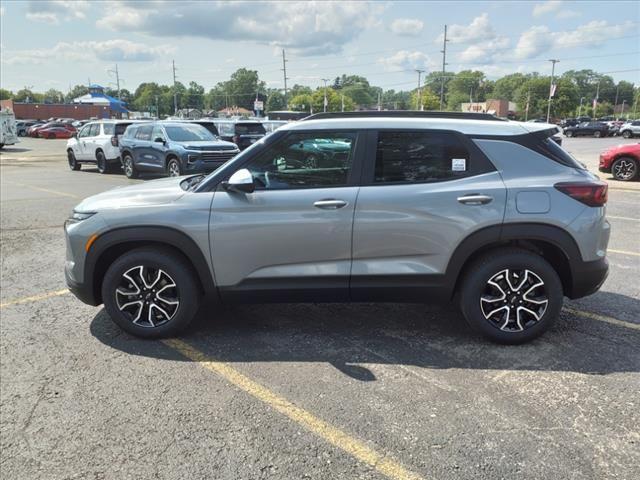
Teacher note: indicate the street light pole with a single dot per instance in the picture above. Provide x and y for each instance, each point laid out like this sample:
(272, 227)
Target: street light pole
(325, 80)
(551, 86)
(580, 107)
(595, 100)
(419, 102)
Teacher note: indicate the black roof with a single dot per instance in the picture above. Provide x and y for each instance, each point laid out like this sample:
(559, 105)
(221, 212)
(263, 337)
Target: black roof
(404, 114)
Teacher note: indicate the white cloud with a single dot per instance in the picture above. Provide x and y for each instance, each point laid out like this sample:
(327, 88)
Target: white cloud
(484, 51)
(106, 51)
(549, 6)
(308, 28)
(55, 11)
(555, 6)
(539, 39)
(407, 60)
(407, 27)
(478, 30)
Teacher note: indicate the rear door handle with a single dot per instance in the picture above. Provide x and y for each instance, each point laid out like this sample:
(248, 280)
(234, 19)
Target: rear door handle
(475, 199)
(330, 204)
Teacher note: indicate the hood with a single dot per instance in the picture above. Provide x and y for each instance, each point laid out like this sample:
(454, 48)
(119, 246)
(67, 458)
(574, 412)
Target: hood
(154, 192)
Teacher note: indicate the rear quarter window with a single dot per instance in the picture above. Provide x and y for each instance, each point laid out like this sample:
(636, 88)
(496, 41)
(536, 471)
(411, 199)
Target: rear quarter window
(108, 128)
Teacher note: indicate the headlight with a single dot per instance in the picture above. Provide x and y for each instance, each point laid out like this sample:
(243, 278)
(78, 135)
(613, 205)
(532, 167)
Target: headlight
(78, 217)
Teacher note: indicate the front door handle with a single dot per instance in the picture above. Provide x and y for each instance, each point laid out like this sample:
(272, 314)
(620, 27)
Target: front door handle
(475, 199)
(330, 204)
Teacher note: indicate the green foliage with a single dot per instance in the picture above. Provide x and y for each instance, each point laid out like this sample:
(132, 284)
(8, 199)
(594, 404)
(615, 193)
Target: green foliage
(27, 96)
(299, 90)
(275, 101)
(5, 94)
(315, 102)
(75, 92)
(427, 100)
(53, 96)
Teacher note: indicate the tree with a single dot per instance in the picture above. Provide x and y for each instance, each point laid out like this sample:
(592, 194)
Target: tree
(359, 93)
(195, 96)
(466, 86)
(75, 92)
(275, 101)
(27, 96)
(301, 103)
(428, 99)
(53, 96)
(506, 87)
(242, 88)
(5, 94)
(299, 90)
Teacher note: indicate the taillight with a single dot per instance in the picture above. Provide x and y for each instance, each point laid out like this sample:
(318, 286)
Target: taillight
(114, 141)
(593, 194)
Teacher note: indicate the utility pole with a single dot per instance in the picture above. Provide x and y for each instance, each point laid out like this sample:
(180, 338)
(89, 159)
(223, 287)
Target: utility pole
(175, 92)
(379, 104)
(419, 99)
(595, 100)
(444, 63)
(552, 88)
(622, 111)
(117, 79)
(580, 107)
(325, 80)
(526, 110)
(615, 104)
(343, 102)
(157, 111)
(284, 71)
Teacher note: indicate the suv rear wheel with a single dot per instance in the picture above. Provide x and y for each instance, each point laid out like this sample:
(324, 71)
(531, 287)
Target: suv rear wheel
(101, 161)
(597, 134)
(151, 293)
(128, 166)
(626, 134)
(511, 296)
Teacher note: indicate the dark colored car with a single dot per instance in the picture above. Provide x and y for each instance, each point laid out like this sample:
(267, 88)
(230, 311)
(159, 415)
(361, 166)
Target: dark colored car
(208, 124)
(24, 125)
(320, 152)
(569, 122)
(56, 132)
(174, 148)
(622, 161)
(243, 133)
(588, 129)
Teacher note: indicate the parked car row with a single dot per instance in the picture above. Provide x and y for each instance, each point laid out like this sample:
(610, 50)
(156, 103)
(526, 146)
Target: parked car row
(172, 147)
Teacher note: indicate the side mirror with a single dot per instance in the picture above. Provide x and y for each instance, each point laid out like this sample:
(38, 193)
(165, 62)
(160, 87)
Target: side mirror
(240, 182)
(159, 140)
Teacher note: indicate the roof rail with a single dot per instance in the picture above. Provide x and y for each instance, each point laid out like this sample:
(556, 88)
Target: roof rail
(404, 114)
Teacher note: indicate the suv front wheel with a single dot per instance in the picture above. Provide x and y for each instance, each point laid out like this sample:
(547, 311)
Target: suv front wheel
(511, 296)
(174, 169)
(151, 292)
(129, 167)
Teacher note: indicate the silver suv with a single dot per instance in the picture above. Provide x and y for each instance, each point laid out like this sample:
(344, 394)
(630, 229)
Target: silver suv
(630, 129)
(380, 206)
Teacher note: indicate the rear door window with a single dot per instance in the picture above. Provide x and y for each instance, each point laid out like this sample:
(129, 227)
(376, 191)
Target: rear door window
(94, 131)
(417, 157)
(144, 132)
(108, 128)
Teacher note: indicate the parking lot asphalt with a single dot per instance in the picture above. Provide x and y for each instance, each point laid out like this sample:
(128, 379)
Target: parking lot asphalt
(303, 391)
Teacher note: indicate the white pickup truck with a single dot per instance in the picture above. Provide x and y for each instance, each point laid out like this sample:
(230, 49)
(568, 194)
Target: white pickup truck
(8, 135)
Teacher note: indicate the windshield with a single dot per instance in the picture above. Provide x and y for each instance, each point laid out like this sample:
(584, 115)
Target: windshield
(226, 129)
(188, 133)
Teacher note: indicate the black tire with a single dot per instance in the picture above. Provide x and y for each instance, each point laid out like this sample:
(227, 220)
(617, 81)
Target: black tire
(178, 271)
(597, 134)
(174, 168)
(129, 166)
(625, 169)
(101, 162)
(569, 134)
(73, 163)
(489, 267)
(627, 134)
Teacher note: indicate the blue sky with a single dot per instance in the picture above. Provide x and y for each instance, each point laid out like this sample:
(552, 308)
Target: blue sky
(55, 44)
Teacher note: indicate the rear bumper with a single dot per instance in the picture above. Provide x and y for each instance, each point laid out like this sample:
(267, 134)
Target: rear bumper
(588, 277)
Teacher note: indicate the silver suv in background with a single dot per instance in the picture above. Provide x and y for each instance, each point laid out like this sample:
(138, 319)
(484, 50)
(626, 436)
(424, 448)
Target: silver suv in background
(395, 206)
(630, 129)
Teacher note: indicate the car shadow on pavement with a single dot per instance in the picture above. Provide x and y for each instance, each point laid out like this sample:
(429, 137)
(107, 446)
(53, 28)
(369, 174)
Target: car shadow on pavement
(14, 150)
(349, 336)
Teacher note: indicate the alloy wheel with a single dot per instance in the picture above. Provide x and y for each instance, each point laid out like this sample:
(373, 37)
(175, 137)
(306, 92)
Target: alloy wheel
(174, 169)
(128, 166)
(147, 296)
(514, 300)
(624, 169)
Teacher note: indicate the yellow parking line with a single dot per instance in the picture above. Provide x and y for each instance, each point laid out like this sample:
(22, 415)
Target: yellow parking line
(34, 298)
(623, 252)
(46, 190)
(603, 318)
(329, 433)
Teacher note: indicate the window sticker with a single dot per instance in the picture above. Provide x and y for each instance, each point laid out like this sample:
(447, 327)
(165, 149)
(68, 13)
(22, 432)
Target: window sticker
(458, 164)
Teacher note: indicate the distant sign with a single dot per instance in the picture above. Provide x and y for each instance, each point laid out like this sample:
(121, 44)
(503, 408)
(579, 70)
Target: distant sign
(258, 105)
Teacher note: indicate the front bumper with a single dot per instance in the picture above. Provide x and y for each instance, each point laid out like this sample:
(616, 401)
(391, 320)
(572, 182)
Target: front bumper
(82, 291)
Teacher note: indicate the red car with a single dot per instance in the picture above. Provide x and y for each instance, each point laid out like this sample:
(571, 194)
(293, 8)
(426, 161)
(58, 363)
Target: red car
(33, 131)
(623, 161)
(56, 132)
